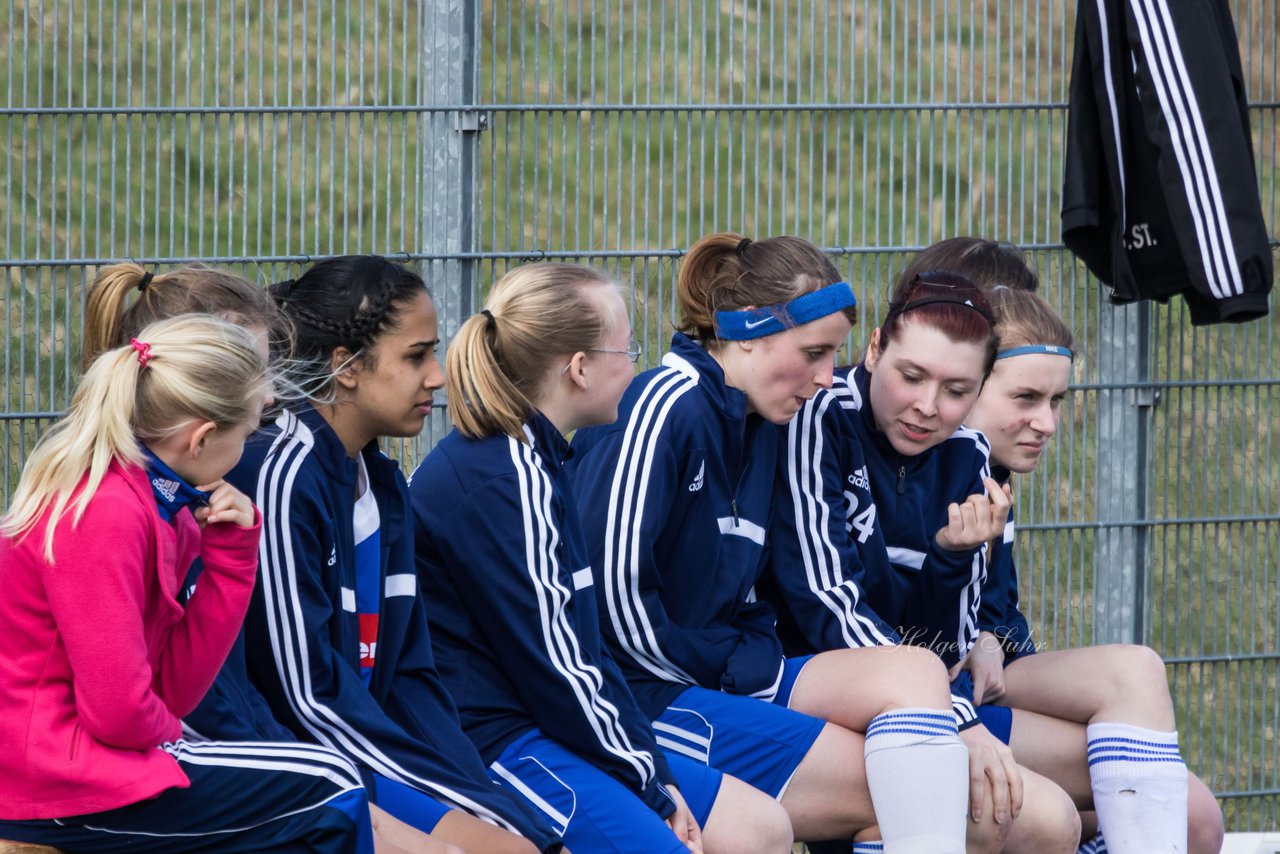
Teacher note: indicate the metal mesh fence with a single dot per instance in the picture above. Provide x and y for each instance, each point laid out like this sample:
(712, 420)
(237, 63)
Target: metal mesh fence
(467, 138)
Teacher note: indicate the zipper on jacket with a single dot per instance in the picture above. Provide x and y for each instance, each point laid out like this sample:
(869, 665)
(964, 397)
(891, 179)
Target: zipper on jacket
(902, 479)
(742, 471)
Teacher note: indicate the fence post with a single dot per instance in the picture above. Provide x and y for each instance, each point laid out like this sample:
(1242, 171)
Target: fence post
(1120, 553)
(448, 139)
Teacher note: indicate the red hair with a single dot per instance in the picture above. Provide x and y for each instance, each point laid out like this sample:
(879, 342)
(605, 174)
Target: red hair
(948, 302)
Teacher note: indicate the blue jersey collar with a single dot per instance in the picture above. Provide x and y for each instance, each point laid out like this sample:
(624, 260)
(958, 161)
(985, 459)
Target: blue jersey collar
(171, 491)
(691, 358)
(547, 440)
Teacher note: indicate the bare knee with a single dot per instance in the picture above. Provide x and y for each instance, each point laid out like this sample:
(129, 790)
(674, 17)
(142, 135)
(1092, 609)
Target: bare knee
(1128, 665)
(985, 836)
(920, 680)
(1054, 831)
(766, 829)
(1204, 819)
(1048, 823)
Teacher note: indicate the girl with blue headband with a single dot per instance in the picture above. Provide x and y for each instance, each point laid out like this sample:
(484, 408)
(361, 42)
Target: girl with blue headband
(1096, 720)
(675, 499)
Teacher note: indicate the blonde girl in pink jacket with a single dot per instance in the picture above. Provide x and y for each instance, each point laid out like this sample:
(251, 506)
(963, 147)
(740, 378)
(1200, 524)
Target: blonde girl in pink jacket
(99, 662)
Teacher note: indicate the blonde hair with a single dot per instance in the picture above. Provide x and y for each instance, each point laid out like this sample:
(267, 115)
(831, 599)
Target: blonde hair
(536, 314)
(1024, 318)
(111, 319)
(201, 368)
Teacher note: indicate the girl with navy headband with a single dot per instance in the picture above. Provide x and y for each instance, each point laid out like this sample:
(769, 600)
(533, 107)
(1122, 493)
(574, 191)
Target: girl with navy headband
(503, 560)
(676, 498)
(1096, 720)
(885, 506)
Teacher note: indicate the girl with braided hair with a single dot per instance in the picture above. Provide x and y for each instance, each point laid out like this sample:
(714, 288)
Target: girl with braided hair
(337, 634)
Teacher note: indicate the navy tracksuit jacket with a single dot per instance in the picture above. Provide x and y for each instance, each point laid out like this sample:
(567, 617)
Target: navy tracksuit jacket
(303, 636)
(854, 561)
(517, 634)
(675, 498)
(999, 612)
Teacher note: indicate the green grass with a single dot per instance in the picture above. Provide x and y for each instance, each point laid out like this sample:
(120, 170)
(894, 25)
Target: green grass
(868, 180)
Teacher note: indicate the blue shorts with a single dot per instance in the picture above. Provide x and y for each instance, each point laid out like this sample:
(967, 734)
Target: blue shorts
(997, 719)
(407, 803)
(591, 810)
(791, 668)
(760, 743)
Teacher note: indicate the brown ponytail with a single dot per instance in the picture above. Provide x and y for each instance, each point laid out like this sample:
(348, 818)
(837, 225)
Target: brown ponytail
(727, 271)
(111, 318)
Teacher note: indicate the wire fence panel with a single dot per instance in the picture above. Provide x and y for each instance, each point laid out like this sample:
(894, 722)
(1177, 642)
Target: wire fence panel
(620, 134)
(469, 137)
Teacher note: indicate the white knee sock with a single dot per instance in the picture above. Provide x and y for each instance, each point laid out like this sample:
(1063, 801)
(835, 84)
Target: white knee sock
(918, 773)
(1139, 789)
(868, 848)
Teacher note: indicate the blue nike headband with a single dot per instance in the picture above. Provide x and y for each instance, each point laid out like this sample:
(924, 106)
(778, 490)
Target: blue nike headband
(749, 323)
(1051, 349)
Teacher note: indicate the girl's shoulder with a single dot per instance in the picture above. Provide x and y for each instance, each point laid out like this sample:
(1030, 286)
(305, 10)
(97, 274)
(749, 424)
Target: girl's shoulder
(669, 397)
(964, 456)
(968, 443)
(284, 462)
(125, 489)
(122, 503)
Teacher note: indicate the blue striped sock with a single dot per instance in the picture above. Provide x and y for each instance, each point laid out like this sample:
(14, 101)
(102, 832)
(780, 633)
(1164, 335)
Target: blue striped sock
(1139, 788)
(918, 774)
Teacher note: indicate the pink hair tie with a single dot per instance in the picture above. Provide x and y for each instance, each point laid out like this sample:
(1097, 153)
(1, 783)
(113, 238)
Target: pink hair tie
(144, 351)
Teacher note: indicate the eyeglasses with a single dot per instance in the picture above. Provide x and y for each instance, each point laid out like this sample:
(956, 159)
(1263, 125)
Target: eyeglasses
(633, 354)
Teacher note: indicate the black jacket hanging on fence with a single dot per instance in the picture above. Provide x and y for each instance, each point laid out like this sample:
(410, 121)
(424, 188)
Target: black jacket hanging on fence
(1160, 193)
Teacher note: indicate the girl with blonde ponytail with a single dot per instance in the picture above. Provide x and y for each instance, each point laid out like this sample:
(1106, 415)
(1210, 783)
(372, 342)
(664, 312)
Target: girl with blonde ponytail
(502, 558)
(100, 662)
(122, 299)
